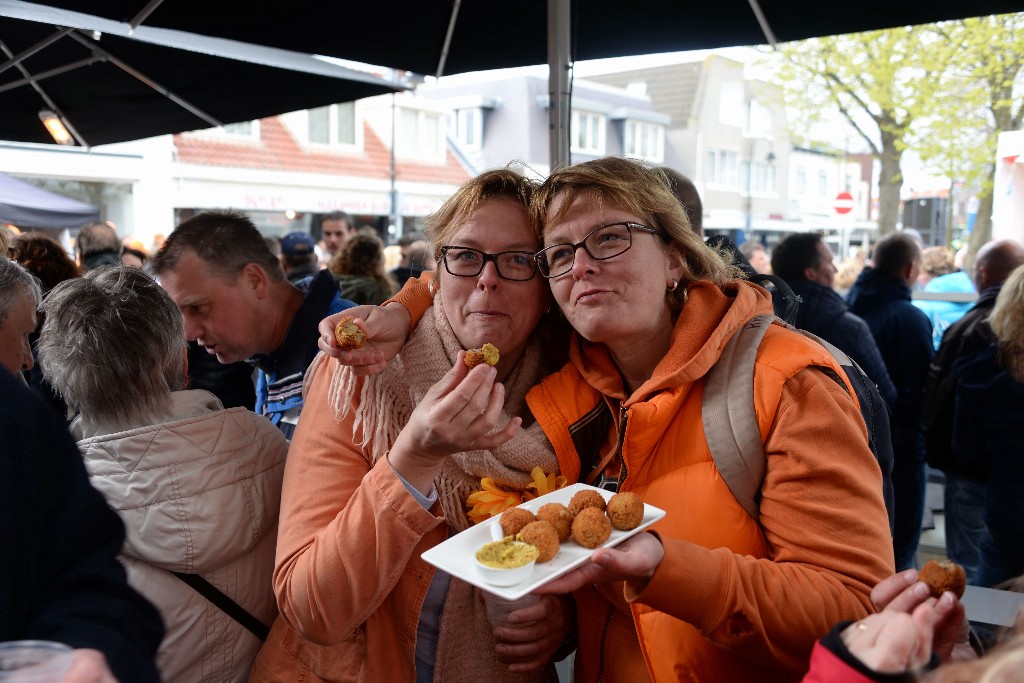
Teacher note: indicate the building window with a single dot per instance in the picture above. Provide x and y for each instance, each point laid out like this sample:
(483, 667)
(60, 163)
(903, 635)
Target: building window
(587, 132)
(334, 124)
(645, 141)
(723, 169)
(762, 177)
(759, 121)
(730, 104)
(245, 129)
(466, 126)
(419, 134)
(822, 183)
(801, 181)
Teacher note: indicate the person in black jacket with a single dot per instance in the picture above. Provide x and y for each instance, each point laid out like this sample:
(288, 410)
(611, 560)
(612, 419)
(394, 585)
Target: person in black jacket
(59, 575)
(965, 481)
(903, 333)
(804, 261)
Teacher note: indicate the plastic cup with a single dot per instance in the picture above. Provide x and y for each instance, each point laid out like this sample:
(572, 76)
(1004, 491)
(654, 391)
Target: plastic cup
(34, 661)
(498, 608)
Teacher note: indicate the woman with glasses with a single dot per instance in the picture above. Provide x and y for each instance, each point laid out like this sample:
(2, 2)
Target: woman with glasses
(711, 594)
(380, 469)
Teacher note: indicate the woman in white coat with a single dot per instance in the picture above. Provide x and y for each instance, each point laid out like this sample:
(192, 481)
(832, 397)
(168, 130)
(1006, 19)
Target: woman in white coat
(197, 486)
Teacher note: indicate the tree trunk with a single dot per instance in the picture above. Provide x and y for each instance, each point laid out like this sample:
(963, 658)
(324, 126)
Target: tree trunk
(982, 231)
(890, 180)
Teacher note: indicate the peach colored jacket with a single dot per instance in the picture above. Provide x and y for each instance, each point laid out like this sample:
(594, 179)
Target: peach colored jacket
(335, 594)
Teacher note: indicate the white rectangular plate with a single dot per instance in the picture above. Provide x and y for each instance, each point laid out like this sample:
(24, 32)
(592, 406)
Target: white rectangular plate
(456, 555)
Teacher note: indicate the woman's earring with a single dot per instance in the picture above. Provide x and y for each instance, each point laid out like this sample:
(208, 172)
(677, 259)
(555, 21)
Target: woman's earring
(672, 287)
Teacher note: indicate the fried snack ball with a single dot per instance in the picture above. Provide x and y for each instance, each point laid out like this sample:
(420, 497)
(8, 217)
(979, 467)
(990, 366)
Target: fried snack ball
(349, 335)
(488, 353)
(514, 519)
(558, 516)
(591, 527)
(625, 510)
(543, 537)
(587, 498)
(944, 576)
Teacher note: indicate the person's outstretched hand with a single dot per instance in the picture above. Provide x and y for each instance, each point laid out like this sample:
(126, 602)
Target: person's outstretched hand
(89, 666)
(635, 559)
(892, 641)
(902, 592)
(386, 330)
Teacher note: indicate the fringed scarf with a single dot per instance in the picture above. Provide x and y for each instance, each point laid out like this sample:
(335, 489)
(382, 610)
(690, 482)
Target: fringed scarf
(465, 648)
(387, 399)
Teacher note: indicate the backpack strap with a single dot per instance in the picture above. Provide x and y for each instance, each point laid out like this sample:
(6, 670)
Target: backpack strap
(225, 604)
(727, 412)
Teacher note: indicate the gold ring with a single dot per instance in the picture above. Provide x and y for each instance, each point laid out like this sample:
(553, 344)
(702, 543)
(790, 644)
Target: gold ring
(861, 626)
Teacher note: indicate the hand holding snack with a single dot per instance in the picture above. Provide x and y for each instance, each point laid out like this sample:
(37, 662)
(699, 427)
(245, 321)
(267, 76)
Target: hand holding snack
(902, 592)
(386, 329)
(891, 642)
(457, 414)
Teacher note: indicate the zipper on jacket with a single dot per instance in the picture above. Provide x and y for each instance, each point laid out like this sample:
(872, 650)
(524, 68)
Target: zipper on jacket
(620, 440)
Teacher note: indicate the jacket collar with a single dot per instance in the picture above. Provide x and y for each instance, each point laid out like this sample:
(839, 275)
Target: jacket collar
(709, 318)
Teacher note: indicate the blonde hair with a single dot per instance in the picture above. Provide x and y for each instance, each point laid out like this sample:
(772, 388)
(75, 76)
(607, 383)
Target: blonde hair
(646, 193)
(444, 223)
(1007, 322)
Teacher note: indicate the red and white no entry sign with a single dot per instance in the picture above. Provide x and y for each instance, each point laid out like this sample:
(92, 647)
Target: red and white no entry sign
(844, 202)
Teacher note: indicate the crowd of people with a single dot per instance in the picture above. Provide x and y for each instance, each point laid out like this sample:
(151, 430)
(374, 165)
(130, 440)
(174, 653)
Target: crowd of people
(165, 536)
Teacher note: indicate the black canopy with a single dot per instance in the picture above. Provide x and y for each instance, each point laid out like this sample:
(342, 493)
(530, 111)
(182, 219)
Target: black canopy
(487, 34)
(28, 206)
(112, 87)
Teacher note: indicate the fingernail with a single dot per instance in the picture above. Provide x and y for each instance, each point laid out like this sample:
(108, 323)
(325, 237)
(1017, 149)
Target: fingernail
(910, 576)
(947, 599)
(921, 590)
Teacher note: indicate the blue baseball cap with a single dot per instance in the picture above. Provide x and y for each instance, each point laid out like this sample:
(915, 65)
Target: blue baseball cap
(295, 243)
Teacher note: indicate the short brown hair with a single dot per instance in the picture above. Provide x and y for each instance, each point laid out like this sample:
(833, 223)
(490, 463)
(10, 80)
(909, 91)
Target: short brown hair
(644, 192)
(448, 220)
(225, 240)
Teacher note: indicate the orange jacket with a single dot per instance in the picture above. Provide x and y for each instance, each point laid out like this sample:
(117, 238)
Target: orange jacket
(733, 600)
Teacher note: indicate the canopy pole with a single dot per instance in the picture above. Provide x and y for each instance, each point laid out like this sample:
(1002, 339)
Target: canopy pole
(34, 78)
(148, 81)
(448, 39)
(144, 13)
(559, 94)
(16, 61)
(46, 42)
(763, 21)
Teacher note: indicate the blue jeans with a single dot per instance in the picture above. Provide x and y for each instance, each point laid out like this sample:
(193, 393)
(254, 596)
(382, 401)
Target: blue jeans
(965, 523)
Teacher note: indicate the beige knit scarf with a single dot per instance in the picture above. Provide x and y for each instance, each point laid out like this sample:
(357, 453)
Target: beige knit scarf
(465, 647)
(386, 402)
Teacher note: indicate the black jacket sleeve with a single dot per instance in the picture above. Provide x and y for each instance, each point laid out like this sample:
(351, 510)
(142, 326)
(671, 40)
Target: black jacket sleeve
(59, 574)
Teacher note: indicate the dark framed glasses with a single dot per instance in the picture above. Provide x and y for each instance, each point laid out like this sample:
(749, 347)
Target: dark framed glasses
(467, 262)
(601, 244)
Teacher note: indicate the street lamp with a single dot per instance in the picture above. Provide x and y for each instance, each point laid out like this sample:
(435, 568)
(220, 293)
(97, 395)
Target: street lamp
(770, 158)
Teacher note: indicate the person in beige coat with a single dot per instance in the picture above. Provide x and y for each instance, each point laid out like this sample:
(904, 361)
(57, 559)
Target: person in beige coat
(197, 486)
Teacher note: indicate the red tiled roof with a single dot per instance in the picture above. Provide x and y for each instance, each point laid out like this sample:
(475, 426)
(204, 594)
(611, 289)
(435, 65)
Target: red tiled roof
(278, 150)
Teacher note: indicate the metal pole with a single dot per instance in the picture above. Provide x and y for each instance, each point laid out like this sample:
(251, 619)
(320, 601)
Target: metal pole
(559, 66)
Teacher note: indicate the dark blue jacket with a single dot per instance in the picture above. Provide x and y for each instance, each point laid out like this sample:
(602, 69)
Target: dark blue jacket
(59, 574)
(824, 313)
(967, 336)
(988, 439)
(903, 334)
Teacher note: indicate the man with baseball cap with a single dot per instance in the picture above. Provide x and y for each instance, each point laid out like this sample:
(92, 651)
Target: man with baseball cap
(298, 256)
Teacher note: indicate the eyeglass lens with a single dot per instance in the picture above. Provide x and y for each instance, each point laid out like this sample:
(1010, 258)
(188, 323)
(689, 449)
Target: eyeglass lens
(511, 265)
(603, 243)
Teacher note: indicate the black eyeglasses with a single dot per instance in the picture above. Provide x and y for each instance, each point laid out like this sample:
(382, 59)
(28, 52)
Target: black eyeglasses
(466, 262)
(601, 244)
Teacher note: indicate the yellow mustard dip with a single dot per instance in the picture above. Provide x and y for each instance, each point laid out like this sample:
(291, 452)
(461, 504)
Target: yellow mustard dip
(506, 554)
